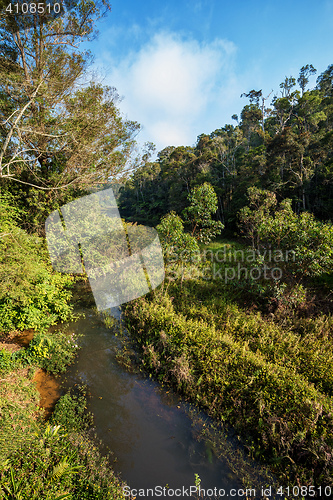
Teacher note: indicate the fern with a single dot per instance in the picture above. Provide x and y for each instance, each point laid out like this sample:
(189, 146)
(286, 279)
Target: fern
(63, 468)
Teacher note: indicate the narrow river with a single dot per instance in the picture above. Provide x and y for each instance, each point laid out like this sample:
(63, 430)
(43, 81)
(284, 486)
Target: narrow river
(149, 430)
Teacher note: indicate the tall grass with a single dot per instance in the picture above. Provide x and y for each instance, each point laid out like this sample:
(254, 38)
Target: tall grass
(273, 384)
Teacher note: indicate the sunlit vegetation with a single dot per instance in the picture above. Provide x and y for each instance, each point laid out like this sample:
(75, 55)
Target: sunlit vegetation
(242, 327)
(268, 375)
(32, 295)
(53, 460)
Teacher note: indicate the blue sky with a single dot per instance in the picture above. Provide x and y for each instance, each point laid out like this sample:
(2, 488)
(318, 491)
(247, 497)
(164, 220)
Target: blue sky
(181, 66)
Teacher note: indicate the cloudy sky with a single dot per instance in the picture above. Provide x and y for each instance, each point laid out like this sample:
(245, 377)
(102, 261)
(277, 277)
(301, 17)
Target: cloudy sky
(181, 66)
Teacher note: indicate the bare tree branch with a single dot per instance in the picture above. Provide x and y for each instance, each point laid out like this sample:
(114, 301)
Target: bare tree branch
(10, 133)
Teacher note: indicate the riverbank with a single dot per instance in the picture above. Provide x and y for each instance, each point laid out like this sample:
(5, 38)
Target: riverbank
(156, 437)
(42, 459)
(271, 383)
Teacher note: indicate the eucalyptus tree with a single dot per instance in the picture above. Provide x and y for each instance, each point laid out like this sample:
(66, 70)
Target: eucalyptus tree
(59, 129)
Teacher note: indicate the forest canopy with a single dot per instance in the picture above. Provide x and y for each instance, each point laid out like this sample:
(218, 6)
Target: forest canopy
(281, 143)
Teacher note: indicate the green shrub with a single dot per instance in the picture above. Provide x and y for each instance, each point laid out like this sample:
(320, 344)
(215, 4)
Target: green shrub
(307, 350)
(51, 351)
(70, 411)
(32, 295)
(278, 227)
(203, 205)
(58, 465)
(179, 247)
(54, 460)
(7, 361)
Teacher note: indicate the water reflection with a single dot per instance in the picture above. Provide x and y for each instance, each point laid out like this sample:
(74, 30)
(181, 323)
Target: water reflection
(148, 430)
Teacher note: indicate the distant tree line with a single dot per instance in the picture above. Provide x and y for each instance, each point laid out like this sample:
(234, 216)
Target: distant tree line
(286, 148)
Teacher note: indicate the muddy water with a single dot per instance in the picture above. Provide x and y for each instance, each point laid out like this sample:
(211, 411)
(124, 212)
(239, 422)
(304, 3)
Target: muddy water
(49, 390)
(147, 428)
(47, 385)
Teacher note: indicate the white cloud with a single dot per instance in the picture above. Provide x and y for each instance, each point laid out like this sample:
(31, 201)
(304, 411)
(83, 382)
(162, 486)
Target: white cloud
(176, 87)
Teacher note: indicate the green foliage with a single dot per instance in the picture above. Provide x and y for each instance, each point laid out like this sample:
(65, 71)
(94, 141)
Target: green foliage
(51, 351)
(179, 247)
(58, 464)
(54, 460)
(70, 411)
(284, 146)
(66, 138)
(18, 412)
(278, 227)
(31, 294)
(261, 203)
(8, 361)
(203, 204)
(270, 383)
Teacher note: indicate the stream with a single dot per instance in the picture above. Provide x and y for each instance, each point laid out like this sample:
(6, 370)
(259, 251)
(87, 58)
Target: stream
(152, 434)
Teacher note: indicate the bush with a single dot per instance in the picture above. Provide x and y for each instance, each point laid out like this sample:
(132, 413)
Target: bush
(70, 411)
(58, 465)
(32, 295)
(277, 227)
(179, 247)
(54, 460)
(51, 351)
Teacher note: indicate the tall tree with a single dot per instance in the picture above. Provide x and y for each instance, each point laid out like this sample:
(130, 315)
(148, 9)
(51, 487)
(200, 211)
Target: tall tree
(56, 129)
(304, 74)
(203, 205)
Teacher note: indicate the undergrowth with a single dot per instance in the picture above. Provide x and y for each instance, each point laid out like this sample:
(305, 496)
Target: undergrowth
(271, 381)
(59, 459)
(50, 351)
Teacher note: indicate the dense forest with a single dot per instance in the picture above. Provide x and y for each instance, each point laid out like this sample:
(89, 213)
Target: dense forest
(282, 144)
(242, 324)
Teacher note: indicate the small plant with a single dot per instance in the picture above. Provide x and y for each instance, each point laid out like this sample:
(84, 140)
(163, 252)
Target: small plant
(70, 411)
(50, 351)
(197, 483)
(288, 298)
(181, 370)
(8, 361)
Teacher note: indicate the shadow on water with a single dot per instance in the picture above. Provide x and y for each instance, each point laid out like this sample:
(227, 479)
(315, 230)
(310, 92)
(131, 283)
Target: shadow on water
(153, 434)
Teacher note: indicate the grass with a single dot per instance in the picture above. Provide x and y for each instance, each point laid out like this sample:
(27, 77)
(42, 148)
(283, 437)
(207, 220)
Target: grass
(18, 410)
(53, 460)
(48, 460)
(271, 381)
